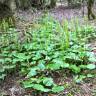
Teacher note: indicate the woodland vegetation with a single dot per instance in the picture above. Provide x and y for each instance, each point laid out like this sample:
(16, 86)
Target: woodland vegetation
(11, 5)
(47, 55)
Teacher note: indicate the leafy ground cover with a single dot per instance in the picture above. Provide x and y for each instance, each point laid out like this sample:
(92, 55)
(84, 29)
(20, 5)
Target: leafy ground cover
(49, 53)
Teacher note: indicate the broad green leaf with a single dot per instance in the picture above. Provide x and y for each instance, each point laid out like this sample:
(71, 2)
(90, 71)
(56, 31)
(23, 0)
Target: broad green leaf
(75, 69)
(8, 60)
(78, 79)
(53, 66)
(24, 64)
(37, 56)
(91, 66)
(28, 46)
(28, 84)
(21, 56)
(9, 66)
(56, 54)
(90, 75)
(58, 61)
(41, 66)
(2, 69)
(2, 76)
(15, 60)
(57, 89)
(40, 88)
(2, 61)
(48, 81)
(32, 73)
(92, 59)
(65, 65)
(33, 62)
(34, 80)
(71, 56)
(82, 66)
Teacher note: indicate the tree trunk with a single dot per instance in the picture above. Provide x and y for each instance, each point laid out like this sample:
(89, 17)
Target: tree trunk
(13, 4)
(23, 4)
(37, 3)
(9, 3)
(90, 4)
(69, 2)
(53, 3)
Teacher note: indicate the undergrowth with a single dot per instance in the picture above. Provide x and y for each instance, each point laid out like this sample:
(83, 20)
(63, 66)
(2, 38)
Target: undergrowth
(51, 47)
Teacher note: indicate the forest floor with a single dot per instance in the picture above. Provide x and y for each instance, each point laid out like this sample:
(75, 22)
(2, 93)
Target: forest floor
(25, 19)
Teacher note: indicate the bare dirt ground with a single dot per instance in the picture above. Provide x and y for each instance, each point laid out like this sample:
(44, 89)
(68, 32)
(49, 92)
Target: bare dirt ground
(10, 86)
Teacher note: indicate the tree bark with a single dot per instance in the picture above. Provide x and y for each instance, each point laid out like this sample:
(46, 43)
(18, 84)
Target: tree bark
(90, 4)
(23, 4)
(53, 3)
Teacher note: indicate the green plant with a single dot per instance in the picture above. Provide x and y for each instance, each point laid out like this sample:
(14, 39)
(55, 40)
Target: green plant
(47, 49)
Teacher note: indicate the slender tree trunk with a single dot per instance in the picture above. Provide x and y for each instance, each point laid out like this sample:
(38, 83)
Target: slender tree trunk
(53, 3)
(90, 4)
(23, 4)
(69, 2)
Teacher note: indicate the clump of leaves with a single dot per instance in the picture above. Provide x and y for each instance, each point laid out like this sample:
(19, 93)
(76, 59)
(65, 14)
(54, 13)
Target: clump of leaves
(51, 48)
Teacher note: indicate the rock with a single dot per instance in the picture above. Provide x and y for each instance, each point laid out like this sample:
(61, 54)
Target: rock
(16, 91)
(4, 93)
